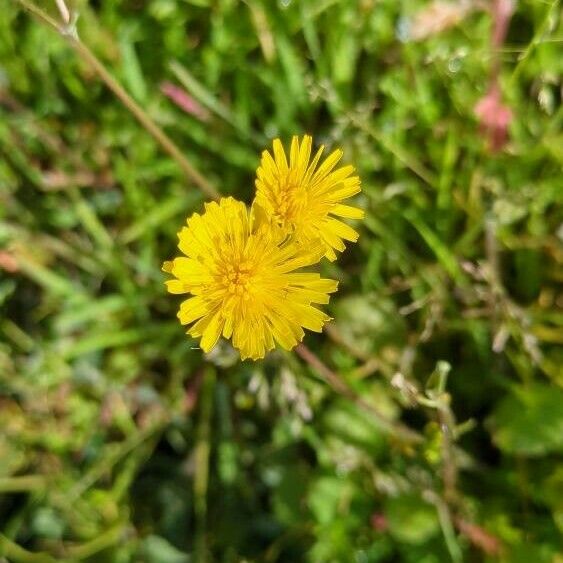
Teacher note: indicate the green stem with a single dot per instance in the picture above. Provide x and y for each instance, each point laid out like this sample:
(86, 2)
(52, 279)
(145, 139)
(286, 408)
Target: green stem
(23, 483)
(18, 554)
(448, 531)
(201, 477)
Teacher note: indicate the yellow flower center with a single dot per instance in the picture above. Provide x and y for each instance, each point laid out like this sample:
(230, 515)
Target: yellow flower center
(236, 278)
(289, 202)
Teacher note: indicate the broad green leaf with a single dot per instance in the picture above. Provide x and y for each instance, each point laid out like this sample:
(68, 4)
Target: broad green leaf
(411, 519)
(529, 421)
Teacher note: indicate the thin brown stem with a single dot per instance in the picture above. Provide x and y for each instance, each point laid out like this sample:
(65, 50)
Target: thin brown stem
(479, 537)
(396, 429)
(147, 122)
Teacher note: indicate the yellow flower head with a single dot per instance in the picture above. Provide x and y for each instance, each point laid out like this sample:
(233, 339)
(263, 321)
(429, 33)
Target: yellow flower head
(304, 198)
(241, 273)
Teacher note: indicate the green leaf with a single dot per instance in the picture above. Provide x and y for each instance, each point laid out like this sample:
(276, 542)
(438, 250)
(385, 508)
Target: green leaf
(529, 421)
(326, 497)
(158, 550)
(410, 519)
(354, 427)
(368, 322)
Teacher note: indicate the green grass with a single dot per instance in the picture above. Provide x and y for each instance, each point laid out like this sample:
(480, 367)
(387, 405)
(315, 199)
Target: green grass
(120, 441)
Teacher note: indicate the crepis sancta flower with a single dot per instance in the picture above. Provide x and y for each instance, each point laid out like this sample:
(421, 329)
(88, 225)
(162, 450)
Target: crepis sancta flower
(241, 270)
(304, 196)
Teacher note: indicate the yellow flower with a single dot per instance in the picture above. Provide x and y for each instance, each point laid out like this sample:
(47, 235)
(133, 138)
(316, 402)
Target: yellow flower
(241, 272)
(303, 196)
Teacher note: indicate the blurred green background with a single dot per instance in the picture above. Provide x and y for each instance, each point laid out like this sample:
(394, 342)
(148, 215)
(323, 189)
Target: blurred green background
(120, 442)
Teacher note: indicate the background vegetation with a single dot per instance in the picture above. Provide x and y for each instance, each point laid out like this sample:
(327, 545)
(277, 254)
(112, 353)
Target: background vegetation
(120, 441)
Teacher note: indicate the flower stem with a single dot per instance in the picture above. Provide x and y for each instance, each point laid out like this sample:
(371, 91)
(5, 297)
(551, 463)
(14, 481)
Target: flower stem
(201, 455)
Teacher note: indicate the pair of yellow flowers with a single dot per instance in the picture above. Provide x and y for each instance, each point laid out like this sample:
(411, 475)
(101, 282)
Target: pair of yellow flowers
(241, 266)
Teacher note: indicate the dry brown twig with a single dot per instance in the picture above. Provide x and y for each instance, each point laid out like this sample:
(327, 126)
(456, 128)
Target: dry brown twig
(68, 31)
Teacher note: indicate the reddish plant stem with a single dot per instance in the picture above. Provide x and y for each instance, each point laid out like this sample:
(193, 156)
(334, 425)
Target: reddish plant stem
(396, 429)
